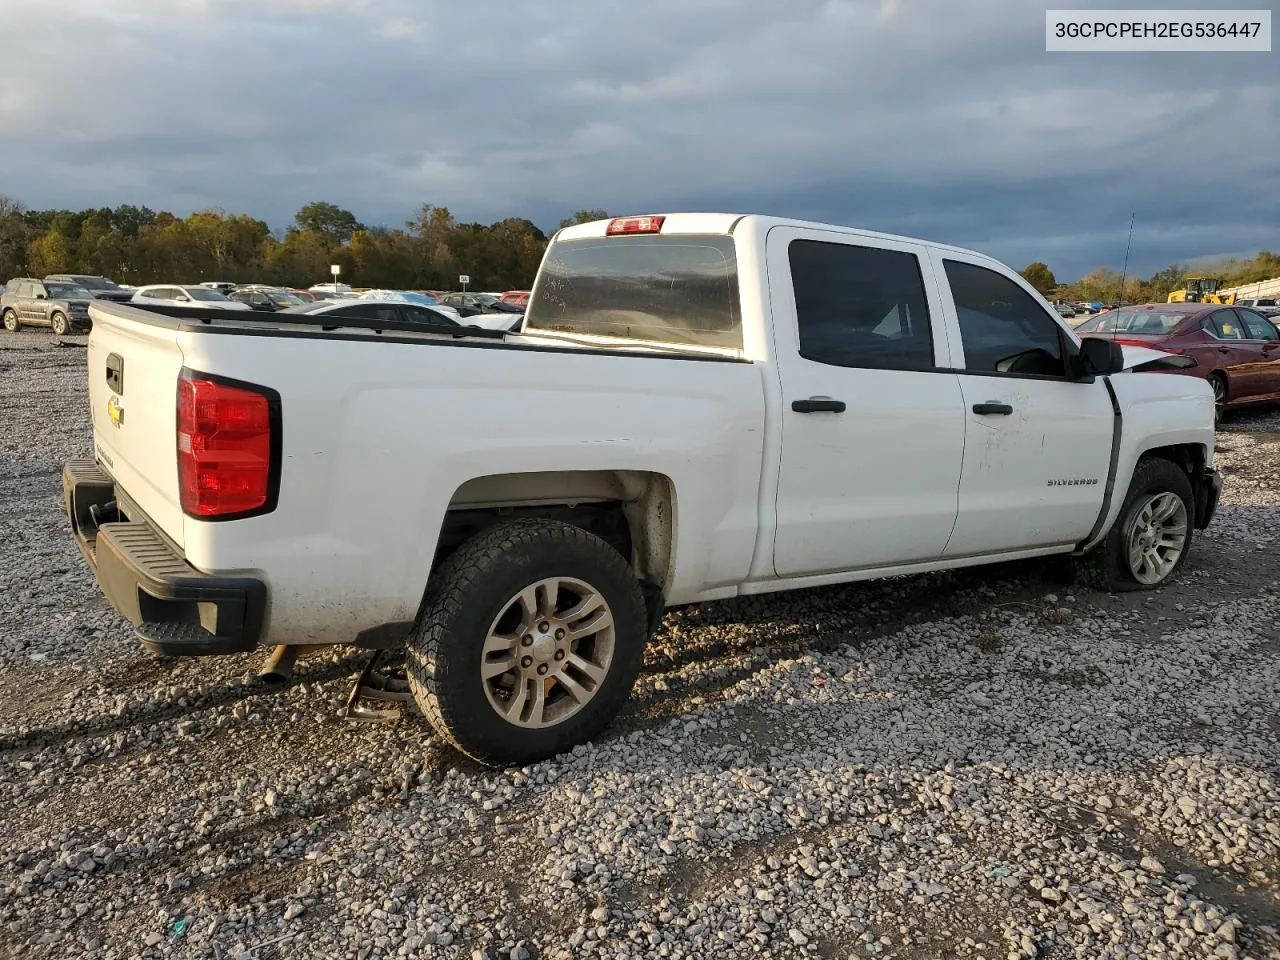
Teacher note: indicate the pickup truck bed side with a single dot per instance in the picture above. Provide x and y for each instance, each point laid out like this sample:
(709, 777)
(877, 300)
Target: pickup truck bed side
(367, 489)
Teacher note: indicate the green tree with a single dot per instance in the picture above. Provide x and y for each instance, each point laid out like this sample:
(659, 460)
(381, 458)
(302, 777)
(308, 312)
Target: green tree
(128, 219)
(15, 237)
(327, 219)
(584, 216)
(1040, 276)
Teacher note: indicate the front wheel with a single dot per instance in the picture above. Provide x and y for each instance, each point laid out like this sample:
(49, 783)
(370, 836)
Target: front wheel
(59, 324)
(1151, 538)
(528, 642)
(11, 321)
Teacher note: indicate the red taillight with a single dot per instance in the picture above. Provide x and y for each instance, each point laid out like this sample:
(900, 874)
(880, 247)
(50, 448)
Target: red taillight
(634, 225)
(226, 460)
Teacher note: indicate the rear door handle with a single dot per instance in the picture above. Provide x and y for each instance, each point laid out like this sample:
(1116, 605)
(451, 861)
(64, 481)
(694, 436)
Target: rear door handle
(991, 407)
(818, 405)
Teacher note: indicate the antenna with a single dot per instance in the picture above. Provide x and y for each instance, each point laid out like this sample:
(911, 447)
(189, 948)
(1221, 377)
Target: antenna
(1125, 272)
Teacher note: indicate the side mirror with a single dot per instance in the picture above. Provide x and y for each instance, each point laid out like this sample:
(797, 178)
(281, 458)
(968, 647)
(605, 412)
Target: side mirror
(1097, 358)
(41, 295)
(182, 298)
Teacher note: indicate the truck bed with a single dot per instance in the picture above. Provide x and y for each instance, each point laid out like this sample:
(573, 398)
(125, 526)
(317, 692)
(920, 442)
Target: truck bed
(381, 430)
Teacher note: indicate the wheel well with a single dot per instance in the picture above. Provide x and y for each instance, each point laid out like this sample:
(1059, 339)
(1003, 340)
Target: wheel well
(630, 510)
(1188, 456)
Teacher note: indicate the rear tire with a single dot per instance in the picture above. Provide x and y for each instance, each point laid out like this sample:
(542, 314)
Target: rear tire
(1151, 537)
(11, 322)
(59, 324)
(559, 609)
(1219, 384)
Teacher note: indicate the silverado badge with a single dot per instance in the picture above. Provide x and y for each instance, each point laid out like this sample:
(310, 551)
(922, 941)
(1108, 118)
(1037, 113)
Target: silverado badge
(114, 411)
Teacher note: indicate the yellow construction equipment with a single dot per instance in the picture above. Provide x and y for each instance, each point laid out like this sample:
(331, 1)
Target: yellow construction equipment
(1201, 290)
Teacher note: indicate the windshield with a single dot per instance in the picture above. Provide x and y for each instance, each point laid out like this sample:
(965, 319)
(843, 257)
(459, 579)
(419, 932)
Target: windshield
(668, 289)
(204, 293)
(1157, 322)
(67, 291)
(99, 283)
(279, 296)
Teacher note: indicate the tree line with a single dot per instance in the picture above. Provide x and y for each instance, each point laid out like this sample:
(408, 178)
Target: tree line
(1104, 283)
(138, 245)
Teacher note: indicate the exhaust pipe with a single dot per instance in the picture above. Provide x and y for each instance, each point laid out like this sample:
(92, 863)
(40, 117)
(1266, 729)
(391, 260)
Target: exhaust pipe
(279, 665)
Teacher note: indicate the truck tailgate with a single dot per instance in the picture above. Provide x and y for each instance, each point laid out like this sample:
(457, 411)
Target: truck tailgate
(133, 391)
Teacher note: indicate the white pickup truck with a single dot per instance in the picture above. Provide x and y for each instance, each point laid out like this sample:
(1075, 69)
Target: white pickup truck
(696, 406)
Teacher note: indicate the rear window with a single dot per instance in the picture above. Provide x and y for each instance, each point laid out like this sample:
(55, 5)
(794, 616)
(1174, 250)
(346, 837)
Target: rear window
(1134, 321)
(204, 293)
(665, 289)
(67, 291)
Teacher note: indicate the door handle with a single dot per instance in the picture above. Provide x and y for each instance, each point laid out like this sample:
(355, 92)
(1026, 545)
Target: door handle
(818, 405)
(991, 407)
(115, 373)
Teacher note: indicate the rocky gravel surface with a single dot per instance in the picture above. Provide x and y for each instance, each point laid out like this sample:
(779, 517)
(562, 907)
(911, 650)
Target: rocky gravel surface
(988, 763)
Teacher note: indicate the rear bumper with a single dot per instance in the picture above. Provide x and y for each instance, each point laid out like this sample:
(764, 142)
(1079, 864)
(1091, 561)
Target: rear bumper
(176, 609)
(1207, 495)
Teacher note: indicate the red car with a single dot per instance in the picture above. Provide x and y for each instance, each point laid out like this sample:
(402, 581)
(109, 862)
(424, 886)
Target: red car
(517, 298)
(1236, 349)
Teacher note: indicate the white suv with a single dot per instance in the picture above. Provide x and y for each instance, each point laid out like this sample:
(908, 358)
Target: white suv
(174, 295)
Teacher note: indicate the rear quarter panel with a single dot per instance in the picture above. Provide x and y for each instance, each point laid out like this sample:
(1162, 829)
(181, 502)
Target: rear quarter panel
(377, 437)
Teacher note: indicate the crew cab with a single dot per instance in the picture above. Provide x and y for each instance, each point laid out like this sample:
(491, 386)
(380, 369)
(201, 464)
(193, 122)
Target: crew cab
(694, 407)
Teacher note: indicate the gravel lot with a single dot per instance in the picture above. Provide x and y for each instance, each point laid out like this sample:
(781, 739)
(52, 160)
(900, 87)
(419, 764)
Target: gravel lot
(972, 764)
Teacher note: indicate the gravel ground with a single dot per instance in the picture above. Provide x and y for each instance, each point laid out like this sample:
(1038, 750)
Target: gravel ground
(972, 764)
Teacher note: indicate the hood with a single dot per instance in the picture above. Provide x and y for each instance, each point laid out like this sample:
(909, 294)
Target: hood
(1144, 358)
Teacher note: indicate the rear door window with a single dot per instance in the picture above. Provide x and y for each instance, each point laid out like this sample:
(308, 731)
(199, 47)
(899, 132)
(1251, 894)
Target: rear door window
(860, 306)
(1225, 325)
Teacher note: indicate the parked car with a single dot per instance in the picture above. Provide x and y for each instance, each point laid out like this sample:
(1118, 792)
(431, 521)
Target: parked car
(1236, 349)
(468, 304)
(222, 286)
(518, 297)
(330, 288)
(672, 425)
(369, 310)
(61, 306)
(184, 295)
(306, 296)
(410, 296)
(100, 287)
(1065, 310)
(264, 299)
(1266, 306)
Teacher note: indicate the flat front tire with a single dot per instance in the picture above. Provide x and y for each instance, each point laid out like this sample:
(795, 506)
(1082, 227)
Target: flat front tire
(529, 640)
(1150, 539)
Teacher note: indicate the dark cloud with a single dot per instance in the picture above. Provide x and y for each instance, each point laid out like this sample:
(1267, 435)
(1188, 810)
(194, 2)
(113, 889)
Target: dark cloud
(927, 117)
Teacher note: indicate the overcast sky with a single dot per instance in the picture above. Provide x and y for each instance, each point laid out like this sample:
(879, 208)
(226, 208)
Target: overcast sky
(935, 118)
